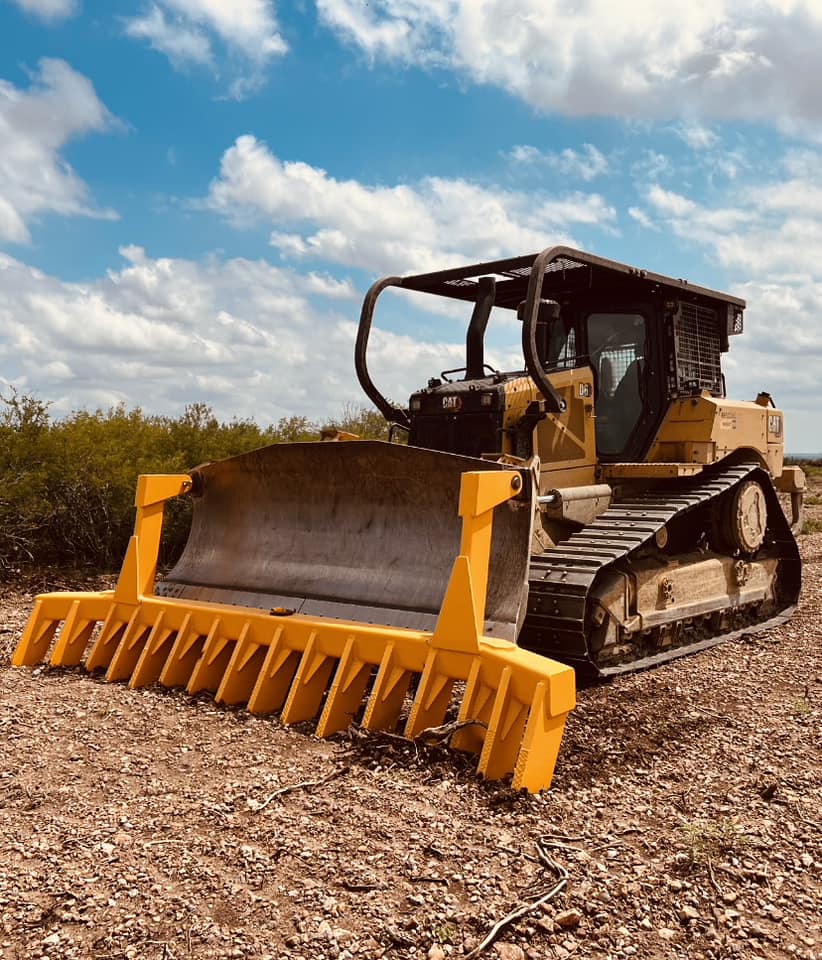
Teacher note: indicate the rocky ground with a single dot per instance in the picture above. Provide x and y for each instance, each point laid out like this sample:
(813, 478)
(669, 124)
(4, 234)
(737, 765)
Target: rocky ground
(686, 811)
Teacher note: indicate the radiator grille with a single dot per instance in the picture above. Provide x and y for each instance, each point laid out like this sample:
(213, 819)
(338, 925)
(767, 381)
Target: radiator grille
(697, 348)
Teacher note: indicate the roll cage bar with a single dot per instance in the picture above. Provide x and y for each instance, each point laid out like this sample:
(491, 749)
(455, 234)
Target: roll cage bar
(538, 280)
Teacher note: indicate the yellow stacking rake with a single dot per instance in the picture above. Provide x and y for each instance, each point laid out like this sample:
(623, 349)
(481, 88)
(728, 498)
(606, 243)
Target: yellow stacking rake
(513, 702)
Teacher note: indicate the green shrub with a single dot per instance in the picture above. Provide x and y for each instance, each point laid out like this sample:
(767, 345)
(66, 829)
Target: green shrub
(67, 485)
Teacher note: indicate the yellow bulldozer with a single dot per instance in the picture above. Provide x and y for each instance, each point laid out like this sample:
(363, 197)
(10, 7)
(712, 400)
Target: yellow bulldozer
(603, 508)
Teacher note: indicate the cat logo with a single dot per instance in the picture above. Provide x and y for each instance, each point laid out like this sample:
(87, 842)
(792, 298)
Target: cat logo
(452, 403)
(774, 424)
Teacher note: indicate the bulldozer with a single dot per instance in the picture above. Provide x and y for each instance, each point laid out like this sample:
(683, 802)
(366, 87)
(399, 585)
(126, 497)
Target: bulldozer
(602, 508)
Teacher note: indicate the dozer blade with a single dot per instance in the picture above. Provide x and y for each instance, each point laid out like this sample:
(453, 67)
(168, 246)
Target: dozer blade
(364, 540)
(363, 531)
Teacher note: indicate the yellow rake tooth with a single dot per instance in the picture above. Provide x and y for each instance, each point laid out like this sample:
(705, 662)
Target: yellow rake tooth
(183, 656)
(346, 693)
(211, 667)
(388, 693)
(74, 635)
(242, 670)
(502, 741)
(477, 703)
(275, 677)
(109, 637)
(432, 699)
(540, 745)
(37, 637)
(154, 655)
(129, 649)
(309, 684)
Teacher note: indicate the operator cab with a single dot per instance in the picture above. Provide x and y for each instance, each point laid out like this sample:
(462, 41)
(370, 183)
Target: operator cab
(646, 339)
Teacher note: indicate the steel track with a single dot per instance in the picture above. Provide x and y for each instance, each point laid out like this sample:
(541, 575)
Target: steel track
(561, 580)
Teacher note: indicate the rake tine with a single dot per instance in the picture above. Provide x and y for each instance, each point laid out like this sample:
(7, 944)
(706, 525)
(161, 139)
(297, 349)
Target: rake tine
(127, 654)
(388, 693)
(274, 680)
(432, 699)
(309, 684)
(183, 657)
(242, 670)
(36, 637)
(109, 638)
(211, 667)
(346, 693)
(74, 635)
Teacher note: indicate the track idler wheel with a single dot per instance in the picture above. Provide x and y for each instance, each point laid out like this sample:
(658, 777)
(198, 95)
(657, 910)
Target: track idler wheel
(742, 519)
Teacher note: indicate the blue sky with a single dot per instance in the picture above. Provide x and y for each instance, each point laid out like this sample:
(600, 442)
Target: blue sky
(194, 195)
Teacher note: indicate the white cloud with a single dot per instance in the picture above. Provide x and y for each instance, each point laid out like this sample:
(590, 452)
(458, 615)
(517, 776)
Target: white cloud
(766, 235)
(178, 41)
(35, 124)
(642, 218)
(184, 30)
(697, 136)
(249, 338)
(586, 164)
(727, 59)
(406, 227)
(49, 10)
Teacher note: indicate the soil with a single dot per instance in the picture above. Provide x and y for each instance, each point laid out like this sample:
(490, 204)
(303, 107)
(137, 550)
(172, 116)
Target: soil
(685, 809)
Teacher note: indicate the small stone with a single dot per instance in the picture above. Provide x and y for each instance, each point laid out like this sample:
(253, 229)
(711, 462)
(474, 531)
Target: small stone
(645, 923)
(436, 952)
(806, 859)
(51, 941)
(416, 899)
(568, 919)
(688, 913)
(665, 933)
(754, 930)
(509, 951)
(730, 896)
(324, 930)
(107, 848)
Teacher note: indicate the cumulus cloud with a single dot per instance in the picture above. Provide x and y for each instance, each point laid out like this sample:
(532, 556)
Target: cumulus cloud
(585, 164)
(35, 124)
(697, 136)
(49, 10)
(728, 59)
(766, 235)
(405, 227)
(185, 30)
(247, 337)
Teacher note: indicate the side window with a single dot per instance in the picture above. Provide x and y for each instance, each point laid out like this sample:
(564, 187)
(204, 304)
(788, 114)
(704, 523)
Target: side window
(561, 347)
(616, 351)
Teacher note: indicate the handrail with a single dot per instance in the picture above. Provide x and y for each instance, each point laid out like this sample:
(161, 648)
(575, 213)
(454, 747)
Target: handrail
(391, 413)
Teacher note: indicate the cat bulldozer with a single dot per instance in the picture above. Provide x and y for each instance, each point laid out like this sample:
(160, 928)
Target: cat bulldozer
(602, 508)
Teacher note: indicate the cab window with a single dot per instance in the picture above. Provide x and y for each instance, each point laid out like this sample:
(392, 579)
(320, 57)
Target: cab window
(616, 351)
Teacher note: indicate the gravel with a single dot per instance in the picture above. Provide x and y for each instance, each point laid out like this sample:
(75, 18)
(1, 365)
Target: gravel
(685, 808)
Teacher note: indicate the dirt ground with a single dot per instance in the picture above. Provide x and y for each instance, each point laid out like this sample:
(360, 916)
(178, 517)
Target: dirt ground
(686, 810)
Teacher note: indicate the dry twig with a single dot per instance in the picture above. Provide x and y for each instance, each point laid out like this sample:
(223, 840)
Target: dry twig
(304, 785)
(534, 904)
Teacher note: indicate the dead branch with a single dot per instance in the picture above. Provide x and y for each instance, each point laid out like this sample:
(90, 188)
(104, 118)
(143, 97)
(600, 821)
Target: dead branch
(526, 908)
(304, 785)
(443, 733)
